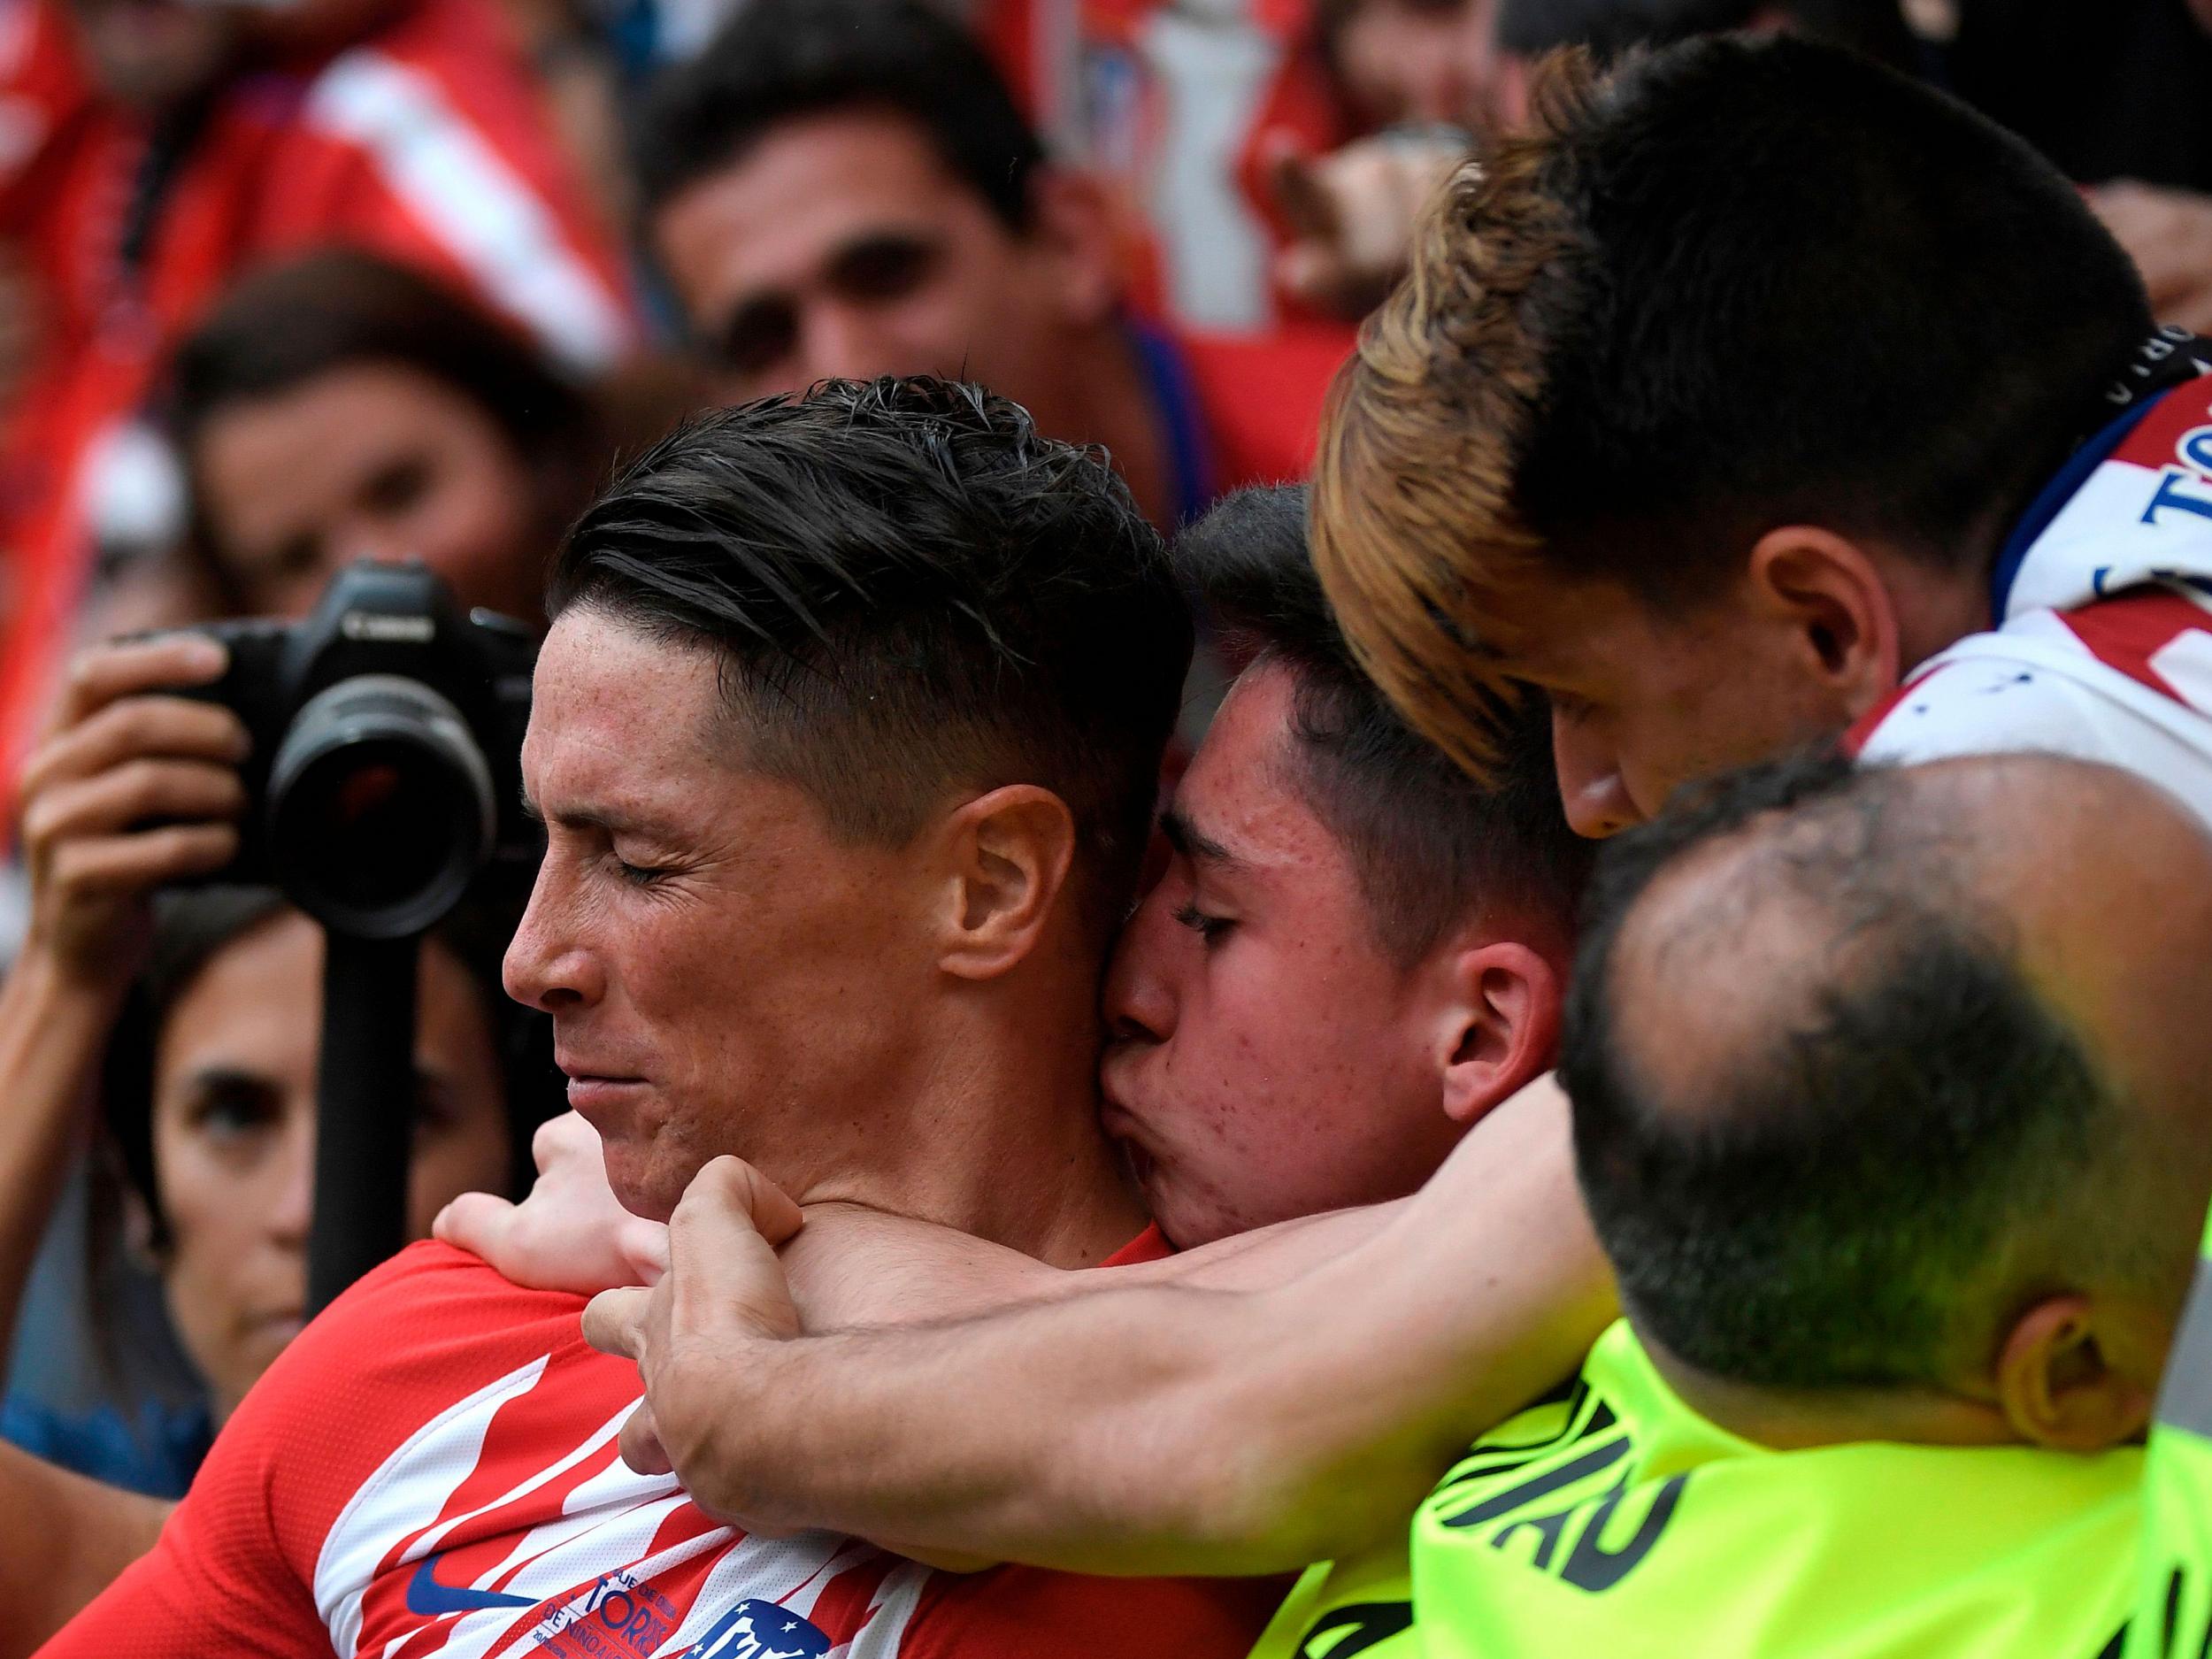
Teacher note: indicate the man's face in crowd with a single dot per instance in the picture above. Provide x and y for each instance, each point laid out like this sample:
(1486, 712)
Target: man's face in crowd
(1642, 702)
(840, 245)
(1266, 1058)
(723, 974)
(1420, 60)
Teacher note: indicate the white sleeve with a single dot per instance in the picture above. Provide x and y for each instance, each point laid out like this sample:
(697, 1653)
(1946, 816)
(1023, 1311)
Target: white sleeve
(1996, 705)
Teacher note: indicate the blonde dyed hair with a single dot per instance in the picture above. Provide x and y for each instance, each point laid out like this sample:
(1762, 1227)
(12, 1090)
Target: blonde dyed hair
(1416, 532)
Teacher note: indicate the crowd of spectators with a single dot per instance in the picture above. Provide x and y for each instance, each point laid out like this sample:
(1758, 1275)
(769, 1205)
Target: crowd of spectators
(1086, 291)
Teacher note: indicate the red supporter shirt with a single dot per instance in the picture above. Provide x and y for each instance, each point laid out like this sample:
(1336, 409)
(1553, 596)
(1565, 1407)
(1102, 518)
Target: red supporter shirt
(431, 1468)
(1262, 399)
(1172, 105)
(425, 142)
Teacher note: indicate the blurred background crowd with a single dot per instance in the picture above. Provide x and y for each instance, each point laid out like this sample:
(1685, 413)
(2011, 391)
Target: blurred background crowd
(289, 283)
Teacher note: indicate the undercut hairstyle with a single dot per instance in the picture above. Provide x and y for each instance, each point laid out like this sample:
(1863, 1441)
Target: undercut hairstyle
(1734, 285)
(341, 308)
(783, 60)
(915, 596)
(1433, 850)
(1900, 1138)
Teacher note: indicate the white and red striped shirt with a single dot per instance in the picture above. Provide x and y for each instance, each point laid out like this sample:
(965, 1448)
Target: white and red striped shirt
(431, 1469)
(427, 141)
(2102, 645)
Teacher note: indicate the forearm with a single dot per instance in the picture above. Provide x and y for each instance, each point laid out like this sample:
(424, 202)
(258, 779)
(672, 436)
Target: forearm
(852, 1267)
(86, 1534)
(51, 1033)
(1164, 1427)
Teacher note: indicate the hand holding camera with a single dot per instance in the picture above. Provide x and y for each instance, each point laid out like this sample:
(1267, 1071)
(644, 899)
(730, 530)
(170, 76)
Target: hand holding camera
(135, 787)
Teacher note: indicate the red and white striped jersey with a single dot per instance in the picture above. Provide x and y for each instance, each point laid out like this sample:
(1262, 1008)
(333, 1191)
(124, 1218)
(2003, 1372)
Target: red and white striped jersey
(431, 1469)
(427, 141)
(2102, 648)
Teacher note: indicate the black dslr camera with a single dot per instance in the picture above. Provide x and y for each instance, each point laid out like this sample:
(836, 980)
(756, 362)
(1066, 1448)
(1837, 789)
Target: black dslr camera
(386, 762)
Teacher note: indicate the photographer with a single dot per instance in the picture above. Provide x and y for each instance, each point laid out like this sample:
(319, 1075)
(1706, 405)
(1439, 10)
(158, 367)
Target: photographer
(198, 1035)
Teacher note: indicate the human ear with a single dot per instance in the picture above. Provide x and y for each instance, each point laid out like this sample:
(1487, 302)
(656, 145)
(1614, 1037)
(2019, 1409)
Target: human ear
(1073, 226)
(1005, 861)
(1838, 611)
(2057, 1387)
(145, 1240)
(1498, 1027)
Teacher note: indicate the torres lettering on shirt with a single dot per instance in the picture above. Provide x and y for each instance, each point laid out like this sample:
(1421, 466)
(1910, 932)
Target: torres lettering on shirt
(2102, 648)
(431, 1469)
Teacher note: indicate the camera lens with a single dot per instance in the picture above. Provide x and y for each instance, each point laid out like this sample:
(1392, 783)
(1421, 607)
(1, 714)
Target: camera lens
(381, 807)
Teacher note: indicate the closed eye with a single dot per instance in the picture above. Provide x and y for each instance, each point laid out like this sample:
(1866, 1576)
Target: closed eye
(1208, 926)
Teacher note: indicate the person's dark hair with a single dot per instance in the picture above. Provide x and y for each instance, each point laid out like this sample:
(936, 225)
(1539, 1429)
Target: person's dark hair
(1735, 284)
(912, 592)
(781, 60)
(1891, 1132)
(286, 325)
(193, 926)
(1433, 847)
(1609, 27)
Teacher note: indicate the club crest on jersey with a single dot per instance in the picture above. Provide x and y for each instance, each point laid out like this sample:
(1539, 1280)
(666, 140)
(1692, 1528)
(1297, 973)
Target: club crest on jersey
(761, 1630)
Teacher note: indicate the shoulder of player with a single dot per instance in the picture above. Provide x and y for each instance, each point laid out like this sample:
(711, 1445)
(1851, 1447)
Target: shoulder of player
(431, 1310)
(429, 1277)
(1991, 693)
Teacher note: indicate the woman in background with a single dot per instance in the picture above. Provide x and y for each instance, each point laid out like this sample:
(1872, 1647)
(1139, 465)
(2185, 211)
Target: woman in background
(339, 406)
(181, 1029)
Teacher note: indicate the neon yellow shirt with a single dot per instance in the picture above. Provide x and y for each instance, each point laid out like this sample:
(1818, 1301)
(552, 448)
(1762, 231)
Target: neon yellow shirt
(1336, 1611)
(1627, 1526)
(1364, 1607)
(2173, 1613)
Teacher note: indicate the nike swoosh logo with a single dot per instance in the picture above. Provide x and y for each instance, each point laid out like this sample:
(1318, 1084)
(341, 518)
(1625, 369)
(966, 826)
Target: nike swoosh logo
(427, 1597)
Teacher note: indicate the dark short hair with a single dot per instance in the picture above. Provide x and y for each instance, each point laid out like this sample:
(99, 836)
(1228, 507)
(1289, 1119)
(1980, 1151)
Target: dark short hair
(336, 308)
(912, 591)
(194, 926)
(781, 60)
(1736, 284)
(1609, 27)
(1842, 1198)
(1433, 847)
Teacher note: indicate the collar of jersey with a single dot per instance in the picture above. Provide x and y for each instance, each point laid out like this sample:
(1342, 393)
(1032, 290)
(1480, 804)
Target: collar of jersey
(2054, 496)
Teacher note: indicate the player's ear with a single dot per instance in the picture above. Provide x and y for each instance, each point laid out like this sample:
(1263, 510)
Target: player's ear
(2057, 1386)
(1495, 1026)
(1004, 859)
(1830, 594)
(1072, 226)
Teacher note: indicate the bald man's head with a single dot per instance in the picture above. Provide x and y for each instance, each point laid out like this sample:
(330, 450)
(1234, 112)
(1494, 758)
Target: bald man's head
(1864, 1062)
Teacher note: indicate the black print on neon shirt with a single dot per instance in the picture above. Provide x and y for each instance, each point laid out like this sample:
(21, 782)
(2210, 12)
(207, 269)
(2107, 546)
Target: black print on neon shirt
(1364, 1622)
(1570, 1542)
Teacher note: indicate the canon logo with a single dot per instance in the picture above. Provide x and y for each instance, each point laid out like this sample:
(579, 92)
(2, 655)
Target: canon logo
(371, 624)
